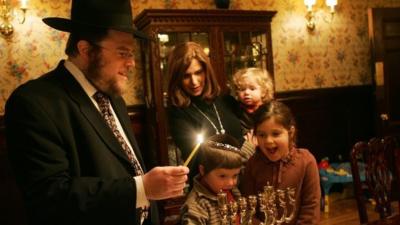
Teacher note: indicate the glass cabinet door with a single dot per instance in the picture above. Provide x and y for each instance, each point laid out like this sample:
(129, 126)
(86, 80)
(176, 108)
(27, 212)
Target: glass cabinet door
(244, 49)
(234, 39)
(241, 49)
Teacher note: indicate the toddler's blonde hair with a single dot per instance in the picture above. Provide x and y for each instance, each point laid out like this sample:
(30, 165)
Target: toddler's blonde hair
(262, 78)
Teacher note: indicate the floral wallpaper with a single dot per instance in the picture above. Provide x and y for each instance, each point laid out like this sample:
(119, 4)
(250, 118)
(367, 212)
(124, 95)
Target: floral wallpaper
(336, 54)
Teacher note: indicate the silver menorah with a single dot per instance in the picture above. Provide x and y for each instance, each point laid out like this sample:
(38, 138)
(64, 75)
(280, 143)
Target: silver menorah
(277, 205)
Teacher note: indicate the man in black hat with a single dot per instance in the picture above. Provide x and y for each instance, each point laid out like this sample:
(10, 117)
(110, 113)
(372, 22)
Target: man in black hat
(68, 132)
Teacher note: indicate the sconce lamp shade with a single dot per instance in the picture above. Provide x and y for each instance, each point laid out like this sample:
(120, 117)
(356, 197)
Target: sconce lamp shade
(331, 4)
(24, 4)
(309, 4)
(310, 14)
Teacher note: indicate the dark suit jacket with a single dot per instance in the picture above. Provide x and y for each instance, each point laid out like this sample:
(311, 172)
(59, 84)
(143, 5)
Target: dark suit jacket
(68, 163)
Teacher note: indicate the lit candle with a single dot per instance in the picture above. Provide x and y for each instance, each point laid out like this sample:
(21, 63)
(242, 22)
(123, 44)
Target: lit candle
(199, 141)
(24, 4)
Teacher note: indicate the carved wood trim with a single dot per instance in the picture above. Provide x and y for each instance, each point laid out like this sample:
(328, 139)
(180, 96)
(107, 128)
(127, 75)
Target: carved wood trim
(183, 17)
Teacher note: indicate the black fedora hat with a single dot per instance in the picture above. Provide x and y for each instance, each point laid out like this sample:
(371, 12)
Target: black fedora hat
(108, 14)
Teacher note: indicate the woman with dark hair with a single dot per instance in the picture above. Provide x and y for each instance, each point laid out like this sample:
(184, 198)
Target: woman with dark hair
(197, 105)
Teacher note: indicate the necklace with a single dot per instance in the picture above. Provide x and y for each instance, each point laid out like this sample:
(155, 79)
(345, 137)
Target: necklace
(222, 131)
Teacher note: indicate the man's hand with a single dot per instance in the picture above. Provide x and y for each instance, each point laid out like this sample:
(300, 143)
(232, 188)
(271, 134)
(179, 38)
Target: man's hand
(165, 182)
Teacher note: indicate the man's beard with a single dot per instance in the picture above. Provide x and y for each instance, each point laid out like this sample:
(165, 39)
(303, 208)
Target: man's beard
(95, 77)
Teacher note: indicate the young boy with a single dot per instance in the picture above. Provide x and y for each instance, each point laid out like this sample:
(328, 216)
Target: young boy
(220, 161)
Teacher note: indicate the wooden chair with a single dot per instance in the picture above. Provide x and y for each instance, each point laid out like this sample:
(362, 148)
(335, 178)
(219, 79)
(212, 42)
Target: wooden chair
(381, 159)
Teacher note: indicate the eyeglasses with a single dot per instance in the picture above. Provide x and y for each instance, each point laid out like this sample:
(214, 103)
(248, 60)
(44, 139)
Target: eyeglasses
(122, 53)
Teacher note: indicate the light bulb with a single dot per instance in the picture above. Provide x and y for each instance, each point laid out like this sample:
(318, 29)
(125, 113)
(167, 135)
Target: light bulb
(331, 4)
(24, 4)
(309, 4)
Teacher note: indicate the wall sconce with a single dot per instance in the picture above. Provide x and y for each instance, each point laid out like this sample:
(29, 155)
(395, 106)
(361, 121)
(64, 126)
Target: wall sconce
(7, 14)
(331, 4)
(310, 13)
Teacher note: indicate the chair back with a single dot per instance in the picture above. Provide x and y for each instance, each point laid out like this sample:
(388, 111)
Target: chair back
(380, 158)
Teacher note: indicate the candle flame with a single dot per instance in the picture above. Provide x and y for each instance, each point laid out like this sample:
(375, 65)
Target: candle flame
(199, 141)
(200, 138)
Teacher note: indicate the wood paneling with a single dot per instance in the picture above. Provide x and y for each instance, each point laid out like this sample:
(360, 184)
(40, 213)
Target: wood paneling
(11, 207)
(330, 121)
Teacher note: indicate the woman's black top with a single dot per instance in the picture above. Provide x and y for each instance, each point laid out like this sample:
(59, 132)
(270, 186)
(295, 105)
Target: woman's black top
(186, 123)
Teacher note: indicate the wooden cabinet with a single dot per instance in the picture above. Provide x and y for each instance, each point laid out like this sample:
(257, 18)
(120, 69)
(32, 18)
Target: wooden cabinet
(233, 39)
